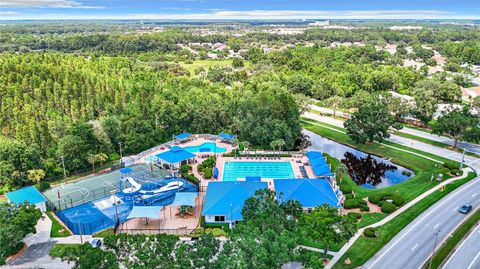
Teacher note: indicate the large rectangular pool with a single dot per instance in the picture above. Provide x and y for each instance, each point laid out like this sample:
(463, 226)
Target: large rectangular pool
(276, 170)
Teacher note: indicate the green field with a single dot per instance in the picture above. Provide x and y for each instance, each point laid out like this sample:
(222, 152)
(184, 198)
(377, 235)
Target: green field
(57, 230)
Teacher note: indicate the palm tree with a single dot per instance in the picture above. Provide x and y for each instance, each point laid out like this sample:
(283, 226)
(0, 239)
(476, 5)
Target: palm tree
(280, 144)
(92, 159)
(246, 145)
(274, 145)
(101, 157)
(235, 143)
(340, 172)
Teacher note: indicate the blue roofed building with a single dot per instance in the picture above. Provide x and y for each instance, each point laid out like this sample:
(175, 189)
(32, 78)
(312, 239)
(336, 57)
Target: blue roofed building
(224, 200)
(309, 192)
(175, 156)
(30, 195)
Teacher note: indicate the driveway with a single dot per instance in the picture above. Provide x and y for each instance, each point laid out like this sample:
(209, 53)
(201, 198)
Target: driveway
(36, 256)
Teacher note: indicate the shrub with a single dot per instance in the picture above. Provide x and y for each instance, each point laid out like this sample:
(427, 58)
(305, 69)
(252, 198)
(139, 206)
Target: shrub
(349, 196)
(397, 199)
(375, 198)
(193, 179)
(451, 165)
(208, 173)
(364, 207)
(209, 162)
(370, 232)
(388, 207)
(406, 173)
(185, 168)
(456, 172)
(354, 216)
(346, 189)
(354, 203)
(43, 185)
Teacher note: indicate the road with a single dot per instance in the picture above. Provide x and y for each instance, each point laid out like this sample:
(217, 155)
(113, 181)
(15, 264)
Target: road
(412, 247)
(467, 255)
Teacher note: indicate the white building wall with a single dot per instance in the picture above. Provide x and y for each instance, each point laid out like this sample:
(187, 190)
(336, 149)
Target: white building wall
(41, 206)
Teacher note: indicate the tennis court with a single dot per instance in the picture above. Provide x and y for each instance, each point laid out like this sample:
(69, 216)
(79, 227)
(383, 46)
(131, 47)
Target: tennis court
(98, 186)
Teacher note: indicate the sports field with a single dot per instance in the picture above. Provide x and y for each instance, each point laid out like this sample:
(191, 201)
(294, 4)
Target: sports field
(94, 187)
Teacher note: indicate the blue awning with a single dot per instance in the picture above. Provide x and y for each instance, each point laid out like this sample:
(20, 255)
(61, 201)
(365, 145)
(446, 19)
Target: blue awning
(175, 155)
(227, 136)
(145, 212)
(185, 198)
(126, 170)
(182, 135)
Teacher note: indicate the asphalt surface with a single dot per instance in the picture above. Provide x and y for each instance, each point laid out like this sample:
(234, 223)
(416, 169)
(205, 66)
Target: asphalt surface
(413, 246)
(467, 254)
(36, 257)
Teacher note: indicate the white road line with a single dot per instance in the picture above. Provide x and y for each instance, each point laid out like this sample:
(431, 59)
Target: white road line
(475, 194)
(455, 209)
(474, 260)
(458, 249)
(436, 225)
(414, 247)
(458, 191)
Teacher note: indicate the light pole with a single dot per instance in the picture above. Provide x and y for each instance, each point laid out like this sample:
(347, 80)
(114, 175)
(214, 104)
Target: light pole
(463, 159)
(433, 250)
(63, 165)
(115, 205)
(121, 155)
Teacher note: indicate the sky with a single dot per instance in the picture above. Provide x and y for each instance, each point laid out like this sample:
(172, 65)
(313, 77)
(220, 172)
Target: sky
(235, 10)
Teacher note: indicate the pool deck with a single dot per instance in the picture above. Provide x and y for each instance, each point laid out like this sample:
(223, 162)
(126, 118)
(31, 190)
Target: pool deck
(221, 160)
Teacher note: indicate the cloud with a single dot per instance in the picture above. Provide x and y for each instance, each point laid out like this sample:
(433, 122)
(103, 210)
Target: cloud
(8, 13)
(45, 4)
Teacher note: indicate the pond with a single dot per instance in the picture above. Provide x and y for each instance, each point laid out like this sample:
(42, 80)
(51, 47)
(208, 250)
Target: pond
(370, 171)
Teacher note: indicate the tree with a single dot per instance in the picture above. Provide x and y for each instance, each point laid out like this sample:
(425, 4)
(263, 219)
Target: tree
(326, 226)
(476, 103)
(457, 124)
(371, 122)
(237, 63)
(92, 159)
(101, 157)
(85, 257)
(335, 103)
(36, 175)
(340, 172)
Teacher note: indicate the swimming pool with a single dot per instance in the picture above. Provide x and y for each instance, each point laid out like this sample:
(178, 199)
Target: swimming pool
(206, 147)
(276, 170)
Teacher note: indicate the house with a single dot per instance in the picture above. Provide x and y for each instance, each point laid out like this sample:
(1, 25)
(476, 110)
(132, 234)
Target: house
(468, 94)
(30, 195)
(224, 200)
(309, 192)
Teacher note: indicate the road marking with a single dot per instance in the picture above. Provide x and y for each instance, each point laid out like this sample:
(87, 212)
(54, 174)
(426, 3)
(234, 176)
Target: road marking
(455, 209)
(459, 248)
(436, 225)
(474, 260)
(438, 206)
(475, 194)
(414, 247)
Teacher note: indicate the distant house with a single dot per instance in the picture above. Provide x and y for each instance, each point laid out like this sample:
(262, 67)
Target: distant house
(309, 192)
(30, 195)
(469, 93)
(224, 200)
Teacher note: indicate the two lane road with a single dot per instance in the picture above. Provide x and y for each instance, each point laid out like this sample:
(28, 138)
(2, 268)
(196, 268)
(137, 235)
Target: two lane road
(467, 255)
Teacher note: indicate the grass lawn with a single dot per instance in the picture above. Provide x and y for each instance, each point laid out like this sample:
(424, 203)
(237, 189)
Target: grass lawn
(104, 233)
(58, 230)
(423, 168)
(448, 247)
(58, 251)
(370, 218)
(364, 248)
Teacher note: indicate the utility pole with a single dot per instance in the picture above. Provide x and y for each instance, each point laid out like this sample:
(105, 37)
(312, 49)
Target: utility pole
(463, 159)
(63, 164)
(433, 250)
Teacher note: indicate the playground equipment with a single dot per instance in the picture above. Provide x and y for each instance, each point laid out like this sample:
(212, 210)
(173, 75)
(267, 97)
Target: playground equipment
(134, 189)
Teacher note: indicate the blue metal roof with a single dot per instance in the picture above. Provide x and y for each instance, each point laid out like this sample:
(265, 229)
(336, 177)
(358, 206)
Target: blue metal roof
(182, 135)
(227, 198)
(322, 170)
(314, 155)
(319, 164)
(28, 194)
(175, 155)
(309, 192)
(227, 136)
(126, 170)
(185, 198)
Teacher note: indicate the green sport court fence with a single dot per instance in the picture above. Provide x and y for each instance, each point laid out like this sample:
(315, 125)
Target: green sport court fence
(97, 186)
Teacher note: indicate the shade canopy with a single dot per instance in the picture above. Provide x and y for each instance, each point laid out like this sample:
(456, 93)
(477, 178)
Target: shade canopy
(322, 170)
(319, 164)
(185, 198)
(126, 170)
(152, 212)
(175, 155)
(227, 136)
(182, 135)
(314, 155)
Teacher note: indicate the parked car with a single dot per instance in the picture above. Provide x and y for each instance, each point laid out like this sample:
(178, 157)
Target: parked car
(465, 209)
(96, 243)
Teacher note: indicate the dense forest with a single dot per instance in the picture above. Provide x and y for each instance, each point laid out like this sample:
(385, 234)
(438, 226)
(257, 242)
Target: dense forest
(75, 94)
